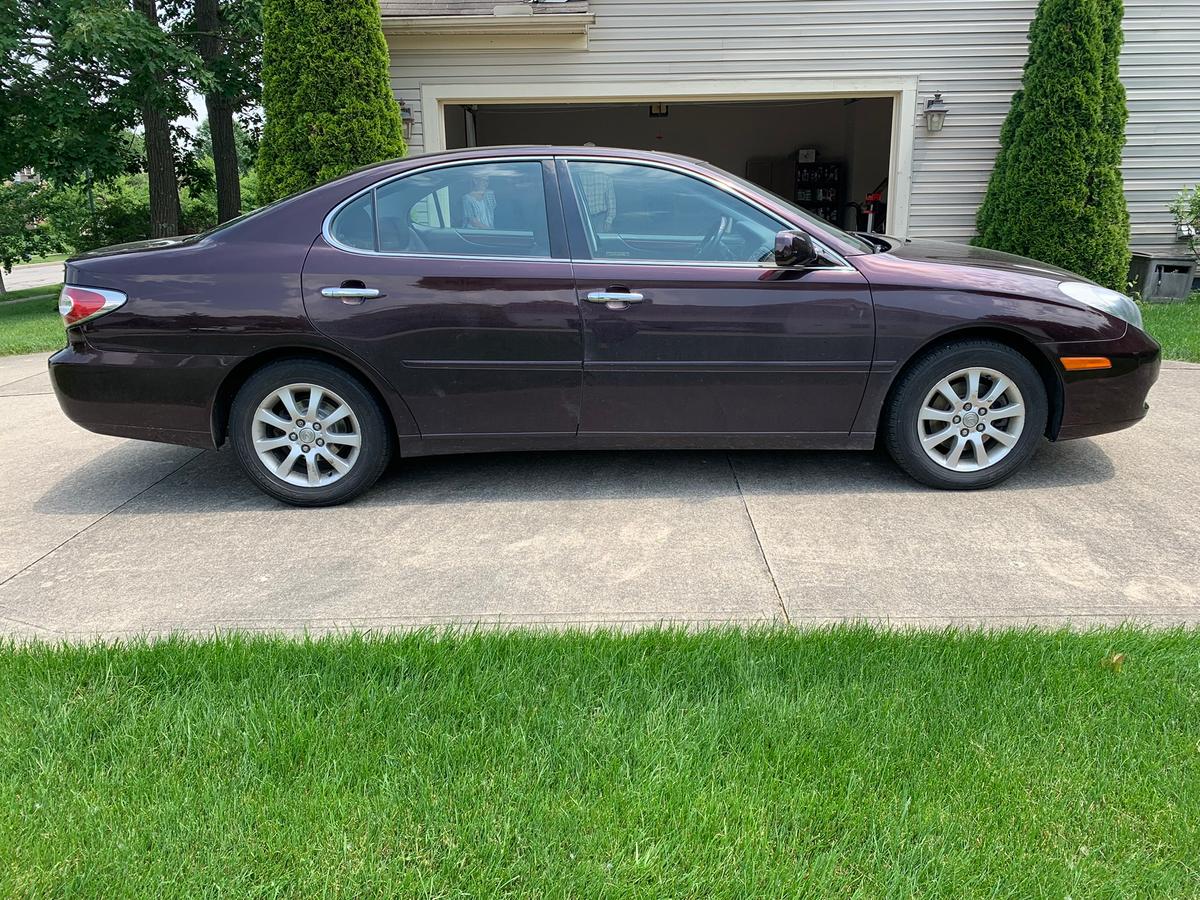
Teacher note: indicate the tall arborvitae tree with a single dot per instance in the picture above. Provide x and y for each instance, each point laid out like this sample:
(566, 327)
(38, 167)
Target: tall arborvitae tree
(326, 98)
(1110, 212)
(1055, 193)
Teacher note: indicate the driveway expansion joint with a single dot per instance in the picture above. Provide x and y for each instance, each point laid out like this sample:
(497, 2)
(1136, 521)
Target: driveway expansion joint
(97, 521)
(757, 540)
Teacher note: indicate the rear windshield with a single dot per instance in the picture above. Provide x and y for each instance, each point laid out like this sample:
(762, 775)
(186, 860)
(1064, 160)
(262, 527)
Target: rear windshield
(250, 215)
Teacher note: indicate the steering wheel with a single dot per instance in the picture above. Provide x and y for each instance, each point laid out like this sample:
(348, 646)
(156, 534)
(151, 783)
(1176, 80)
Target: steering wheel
(712, 241)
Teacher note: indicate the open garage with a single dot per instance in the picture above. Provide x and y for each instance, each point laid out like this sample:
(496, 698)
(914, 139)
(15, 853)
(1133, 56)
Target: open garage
(828, 155)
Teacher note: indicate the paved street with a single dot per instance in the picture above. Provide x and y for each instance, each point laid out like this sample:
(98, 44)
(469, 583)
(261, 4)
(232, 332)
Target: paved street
(107, 537)
(33, 275)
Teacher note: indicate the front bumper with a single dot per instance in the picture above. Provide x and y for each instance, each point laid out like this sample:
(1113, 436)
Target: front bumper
(163, 397)
(1104, 400)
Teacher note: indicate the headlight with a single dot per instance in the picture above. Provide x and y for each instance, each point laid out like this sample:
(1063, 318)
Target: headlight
(1103, 299)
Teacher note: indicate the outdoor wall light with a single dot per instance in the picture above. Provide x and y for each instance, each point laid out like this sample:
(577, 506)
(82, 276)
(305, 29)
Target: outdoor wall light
(406, 119)
(935, 113)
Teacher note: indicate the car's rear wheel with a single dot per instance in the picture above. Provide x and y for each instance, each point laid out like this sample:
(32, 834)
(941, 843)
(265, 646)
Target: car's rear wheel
(308, 433)
(966, 416)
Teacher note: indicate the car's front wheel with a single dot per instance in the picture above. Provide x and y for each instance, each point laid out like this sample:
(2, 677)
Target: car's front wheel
(966, 416)
(308, 433)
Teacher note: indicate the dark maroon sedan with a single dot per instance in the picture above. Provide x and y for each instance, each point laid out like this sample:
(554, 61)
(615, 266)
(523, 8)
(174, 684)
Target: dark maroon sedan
(551, 298)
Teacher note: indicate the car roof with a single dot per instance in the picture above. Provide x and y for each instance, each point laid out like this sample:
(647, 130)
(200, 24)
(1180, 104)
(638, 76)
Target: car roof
(538, 150)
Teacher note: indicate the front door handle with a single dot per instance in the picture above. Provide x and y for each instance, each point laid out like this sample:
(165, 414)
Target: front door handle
(350, 293)
(615, 297)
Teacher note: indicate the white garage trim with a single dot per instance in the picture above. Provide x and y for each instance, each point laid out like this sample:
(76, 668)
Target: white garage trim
(559, 31)
(902, 89)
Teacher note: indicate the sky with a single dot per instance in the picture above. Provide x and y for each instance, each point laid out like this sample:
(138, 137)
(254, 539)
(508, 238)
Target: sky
(199, 113)
(193, 121)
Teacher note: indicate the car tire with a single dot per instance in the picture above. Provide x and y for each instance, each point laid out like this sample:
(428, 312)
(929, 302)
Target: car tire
(989, 429)
(296, 458)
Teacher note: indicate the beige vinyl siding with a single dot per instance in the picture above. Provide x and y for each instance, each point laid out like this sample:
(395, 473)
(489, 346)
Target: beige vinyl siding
(972, 52)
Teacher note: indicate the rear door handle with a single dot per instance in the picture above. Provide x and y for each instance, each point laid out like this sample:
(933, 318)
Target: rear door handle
(615, 297)
(350, 293)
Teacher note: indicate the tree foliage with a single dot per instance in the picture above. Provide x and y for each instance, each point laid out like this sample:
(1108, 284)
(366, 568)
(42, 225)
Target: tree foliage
(76, 75)
(1056, 192)
(328, 105)
(55, 109)
(23, 209)
(236, 71)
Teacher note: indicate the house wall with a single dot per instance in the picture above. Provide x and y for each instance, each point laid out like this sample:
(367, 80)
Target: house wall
(972, 52)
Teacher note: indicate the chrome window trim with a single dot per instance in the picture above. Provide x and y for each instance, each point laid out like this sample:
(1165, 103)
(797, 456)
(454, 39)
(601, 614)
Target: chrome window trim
(710, 264)
(832, 255)
(393, 254)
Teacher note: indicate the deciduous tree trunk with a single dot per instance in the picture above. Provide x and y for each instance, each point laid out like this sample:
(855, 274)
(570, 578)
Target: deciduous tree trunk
(224, 147)
(220, 114)
(160, 155)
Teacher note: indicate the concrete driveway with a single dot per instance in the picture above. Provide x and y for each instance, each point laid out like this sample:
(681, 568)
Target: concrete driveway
(107, 537)
(33, 275)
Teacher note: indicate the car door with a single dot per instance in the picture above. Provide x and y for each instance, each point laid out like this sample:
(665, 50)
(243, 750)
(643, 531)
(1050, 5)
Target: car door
(453, 282)
(689, 327)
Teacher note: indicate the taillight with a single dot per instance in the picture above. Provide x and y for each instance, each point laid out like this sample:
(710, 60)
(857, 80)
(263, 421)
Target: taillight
(78, 304)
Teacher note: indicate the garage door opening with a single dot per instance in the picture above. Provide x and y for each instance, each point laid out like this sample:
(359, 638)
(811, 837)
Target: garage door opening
(828, 155)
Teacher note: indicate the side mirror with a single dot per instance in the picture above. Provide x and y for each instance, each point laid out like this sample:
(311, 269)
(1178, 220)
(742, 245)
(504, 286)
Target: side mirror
(794, 249)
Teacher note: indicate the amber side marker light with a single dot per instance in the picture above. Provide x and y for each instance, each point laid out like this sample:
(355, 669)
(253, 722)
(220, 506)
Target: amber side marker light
(1080, 363)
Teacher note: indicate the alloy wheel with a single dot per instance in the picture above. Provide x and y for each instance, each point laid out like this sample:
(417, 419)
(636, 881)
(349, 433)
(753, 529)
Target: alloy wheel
(971, 419)
(306, 435)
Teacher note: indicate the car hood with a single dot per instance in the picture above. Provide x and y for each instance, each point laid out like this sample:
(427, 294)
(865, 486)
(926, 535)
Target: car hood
(947, 253)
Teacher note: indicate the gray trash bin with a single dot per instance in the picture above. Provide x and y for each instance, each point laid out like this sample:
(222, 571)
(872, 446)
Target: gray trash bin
(1162, 278)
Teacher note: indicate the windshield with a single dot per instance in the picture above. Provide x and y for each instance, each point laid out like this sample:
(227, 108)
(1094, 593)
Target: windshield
(818, 223)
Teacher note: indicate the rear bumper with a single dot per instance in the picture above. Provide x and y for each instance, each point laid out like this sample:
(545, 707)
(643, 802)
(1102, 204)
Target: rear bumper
(1104, 400)
(163, 397)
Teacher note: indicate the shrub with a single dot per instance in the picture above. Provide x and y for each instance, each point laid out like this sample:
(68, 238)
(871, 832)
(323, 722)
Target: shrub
(326, 98)
(1186, 208)
(250, 199)
(1056, 192)
(122, 212)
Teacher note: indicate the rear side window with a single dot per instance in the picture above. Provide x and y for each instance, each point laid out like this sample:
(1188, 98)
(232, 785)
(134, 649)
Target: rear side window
(354, 226)
(479, 209)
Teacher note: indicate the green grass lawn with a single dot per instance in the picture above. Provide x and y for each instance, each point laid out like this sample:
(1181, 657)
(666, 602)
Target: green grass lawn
(49, 257)
(29, 321)
(850, 762)
(49, 290)
(1176, 326)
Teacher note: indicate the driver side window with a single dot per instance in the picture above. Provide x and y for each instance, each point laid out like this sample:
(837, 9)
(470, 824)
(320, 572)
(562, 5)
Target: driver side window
(636, 212)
